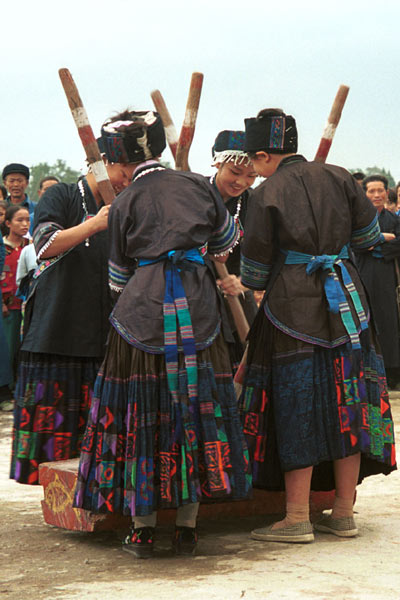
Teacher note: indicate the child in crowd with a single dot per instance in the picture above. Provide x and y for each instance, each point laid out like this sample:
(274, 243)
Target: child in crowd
(17, 223)
(5, 367)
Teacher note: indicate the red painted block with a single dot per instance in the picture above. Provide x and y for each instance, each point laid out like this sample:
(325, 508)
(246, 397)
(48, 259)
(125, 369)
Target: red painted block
(59, 479)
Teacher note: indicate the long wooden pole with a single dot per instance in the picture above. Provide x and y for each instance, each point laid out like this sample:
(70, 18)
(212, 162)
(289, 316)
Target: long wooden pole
(242, 326)
(169, 127)
(88, 140)
(182, 163)
(332, 123)
(189, 122)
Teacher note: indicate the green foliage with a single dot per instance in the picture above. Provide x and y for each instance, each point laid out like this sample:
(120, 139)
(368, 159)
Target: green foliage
(60, 170)
(377, 171)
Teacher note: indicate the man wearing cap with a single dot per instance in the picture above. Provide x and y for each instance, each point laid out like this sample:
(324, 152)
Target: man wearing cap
(378, 271)
(315, 400)
(16, 180)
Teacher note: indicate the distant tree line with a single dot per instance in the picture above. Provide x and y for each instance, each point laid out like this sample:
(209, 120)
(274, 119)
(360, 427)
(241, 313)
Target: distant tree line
(60, 169)
(377, 171)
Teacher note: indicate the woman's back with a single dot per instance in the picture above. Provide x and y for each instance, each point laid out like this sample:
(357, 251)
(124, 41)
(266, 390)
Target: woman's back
(164, 210)
(314, 209)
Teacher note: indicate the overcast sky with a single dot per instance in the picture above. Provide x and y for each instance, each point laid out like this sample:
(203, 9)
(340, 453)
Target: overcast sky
(292, 54)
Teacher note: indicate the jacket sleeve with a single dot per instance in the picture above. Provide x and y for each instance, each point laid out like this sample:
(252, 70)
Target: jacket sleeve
(258, 243)
(120, 267)
(226, 233)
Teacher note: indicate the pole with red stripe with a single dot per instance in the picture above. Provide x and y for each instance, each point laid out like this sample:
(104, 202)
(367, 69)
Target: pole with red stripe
(182, 155)
(189, 122)
(333, 120)
(185, 141)
(87, 137)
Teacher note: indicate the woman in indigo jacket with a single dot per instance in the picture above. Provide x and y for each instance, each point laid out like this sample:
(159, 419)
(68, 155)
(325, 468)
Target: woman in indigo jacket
(66, 323)
(315, 401)
(163, 430)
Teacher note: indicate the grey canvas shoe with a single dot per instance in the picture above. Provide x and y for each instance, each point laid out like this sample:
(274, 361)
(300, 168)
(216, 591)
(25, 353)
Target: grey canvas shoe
(7, 406)
(342, 526)
(298, 533)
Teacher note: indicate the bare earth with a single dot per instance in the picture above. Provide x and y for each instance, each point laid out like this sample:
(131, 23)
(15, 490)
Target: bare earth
(42, 562)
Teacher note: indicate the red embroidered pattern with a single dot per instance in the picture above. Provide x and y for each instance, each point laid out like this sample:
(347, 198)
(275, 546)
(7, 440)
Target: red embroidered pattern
(213, 458)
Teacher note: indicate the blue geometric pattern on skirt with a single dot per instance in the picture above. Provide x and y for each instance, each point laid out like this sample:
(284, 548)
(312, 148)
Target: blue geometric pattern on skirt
(324, 407)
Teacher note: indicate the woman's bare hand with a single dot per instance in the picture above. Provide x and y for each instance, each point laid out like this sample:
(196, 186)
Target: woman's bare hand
(388, 236)
(100, 220)
(231, 285)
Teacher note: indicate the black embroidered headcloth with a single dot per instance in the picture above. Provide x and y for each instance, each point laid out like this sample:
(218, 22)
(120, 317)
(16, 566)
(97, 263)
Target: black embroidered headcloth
(271, 131)
(228, 146)
(134, 136)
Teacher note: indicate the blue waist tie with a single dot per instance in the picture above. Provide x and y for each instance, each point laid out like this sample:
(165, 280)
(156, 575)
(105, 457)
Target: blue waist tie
(333, 289)
(177, 317)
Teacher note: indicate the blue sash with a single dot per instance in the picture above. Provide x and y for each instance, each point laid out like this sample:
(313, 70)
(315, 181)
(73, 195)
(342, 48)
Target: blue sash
(333, 289)
(177, 317)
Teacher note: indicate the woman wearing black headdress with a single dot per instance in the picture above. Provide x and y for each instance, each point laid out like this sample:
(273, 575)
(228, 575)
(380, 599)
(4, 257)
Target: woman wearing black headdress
(235, 175)
(315, 401)
(164, 429)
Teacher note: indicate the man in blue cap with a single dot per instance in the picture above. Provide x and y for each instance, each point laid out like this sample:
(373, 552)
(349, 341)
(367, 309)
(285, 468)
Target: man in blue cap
(16, 180)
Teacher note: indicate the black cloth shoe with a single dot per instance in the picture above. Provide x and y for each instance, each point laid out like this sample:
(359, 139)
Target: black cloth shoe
(184, 541)
(140, 542)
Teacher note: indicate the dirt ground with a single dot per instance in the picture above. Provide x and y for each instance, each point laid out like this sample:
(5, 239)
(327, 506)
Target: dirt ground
(38, 561)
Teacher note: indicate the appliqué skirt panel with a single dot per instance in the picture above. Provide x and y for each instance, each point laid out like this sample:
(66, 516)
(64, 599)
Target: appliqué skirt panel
(53, 395)
(142, 452)
(305, 405)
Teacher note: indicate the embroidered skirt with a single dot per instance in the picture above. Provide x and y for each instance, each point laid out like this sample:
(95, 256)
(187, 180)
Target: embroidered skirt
(52, 399)
(303, 405)
(142, 451)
